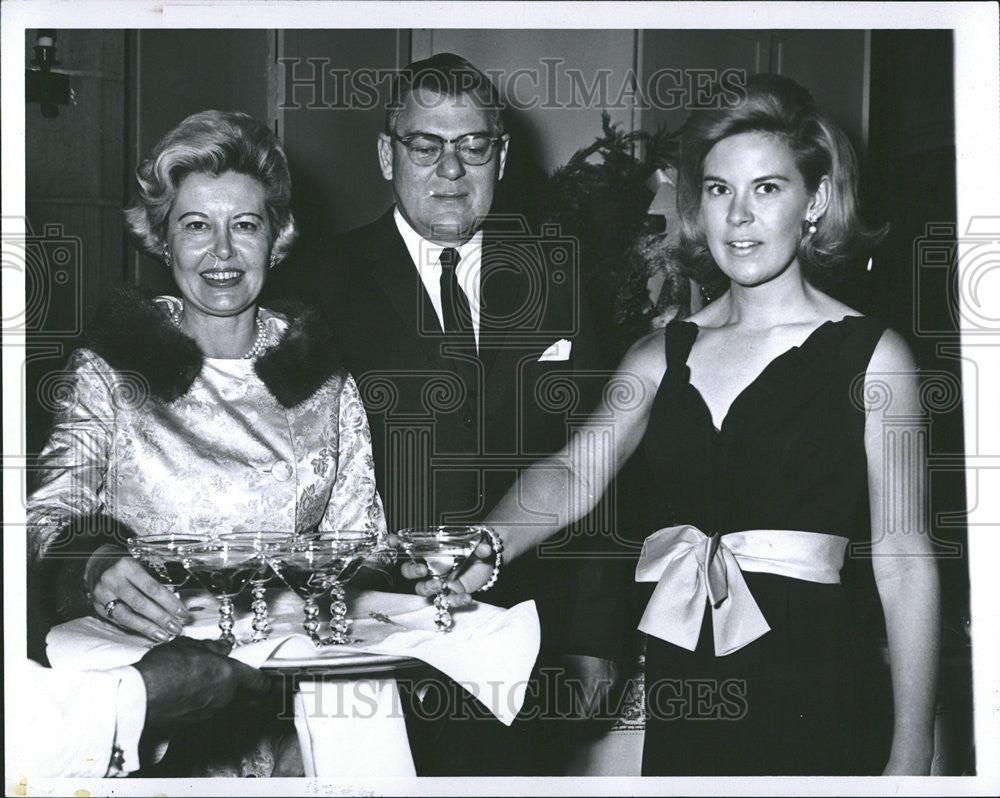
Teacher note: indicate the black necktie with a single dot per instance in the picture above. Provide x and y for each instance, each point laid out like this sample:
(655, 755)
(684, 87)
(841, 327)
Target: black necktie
(454, 303)
(459, 340)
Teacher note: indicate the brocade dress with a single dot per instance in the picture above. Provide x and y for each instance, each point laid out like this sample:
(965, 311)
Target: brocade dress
(790, 455)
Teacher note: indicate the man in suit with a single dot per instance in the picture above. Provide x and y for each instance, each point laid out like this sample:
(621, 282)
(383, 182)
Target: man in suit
(466, 334)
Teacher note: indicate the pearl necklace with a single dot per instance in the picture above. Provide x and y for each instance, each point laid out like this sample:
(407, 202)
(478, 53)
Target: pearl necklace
(260, 343)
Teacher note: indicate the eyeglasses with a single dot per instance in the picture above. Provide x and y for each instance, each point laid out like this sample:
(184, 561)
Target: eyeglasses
(426, 149)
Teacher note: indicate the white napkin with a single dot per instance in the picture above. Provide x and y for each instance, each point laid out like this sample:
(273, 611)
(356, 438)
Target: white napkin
(352, 728)
(490, 651)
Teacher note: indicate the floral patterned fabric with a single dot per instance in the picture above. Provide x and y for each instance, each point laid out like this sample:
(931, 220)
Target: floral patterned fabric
(225, 456)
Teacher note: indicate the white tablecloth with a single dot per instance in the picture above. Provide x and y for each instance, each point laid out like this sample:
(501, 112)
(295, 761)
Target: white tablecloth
(490, 652)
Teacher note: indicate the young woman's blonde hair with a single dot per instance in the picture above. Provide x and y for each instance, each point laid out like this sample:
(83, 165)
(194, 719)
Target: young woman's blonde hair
(779, 106)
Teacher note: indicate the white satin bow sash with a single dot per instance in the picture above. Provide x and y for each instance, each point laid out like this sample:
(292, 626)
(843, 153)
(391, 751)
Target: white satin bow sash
(690, 567)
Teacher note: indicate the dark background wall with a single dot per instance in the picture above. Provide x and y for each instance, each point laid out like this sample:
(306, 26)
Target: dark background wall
(329, 117)
(911, 186)
(75, 187)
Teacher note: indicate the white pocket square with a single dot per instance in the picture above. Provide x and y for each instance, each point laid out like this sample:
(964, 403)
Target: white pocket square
(558, 351)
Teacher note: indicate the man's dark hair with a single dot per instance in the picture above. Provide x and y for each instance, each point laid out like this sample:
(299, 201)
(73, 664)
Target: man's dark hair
(447, 75)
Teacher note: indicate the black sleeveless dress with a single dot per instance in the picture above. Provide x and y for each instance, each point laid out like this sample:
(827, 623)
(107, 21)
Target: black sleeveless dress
(790, 455)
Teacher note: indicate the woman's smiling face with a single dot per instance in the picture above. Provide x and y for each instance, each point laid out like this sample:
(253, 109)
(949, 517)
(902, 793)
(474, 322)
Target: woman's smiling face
(754, 201)
(220, 242)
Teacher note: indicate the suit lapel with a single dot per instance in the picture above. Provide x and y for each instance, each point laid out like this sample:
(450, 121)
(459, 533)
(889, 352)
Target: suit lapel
(504, 286)
(392, 268)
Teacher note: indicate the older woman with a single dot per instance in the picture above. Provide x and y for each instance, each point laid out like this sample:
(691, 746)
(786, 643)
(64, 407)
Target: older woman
(771, 419)
(202, 412)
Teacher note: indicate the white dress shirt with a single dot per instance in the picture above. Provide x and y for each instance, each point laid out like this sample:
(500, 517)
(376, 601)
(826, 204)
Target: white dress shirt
(83, 724)
(426, 256)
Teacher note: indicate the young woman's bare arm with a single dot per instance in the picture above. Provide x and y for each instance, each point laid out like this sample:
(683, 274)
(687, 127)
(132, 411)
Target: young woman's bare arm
(903, 562)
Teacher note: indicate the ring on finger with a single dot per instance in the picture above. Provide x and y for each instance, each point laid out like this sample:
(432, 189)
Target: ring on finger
(109, 608)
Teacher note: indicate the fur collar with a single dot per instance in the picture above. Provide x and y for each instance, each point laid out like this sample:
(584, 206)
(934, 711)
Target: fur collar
(133, 333)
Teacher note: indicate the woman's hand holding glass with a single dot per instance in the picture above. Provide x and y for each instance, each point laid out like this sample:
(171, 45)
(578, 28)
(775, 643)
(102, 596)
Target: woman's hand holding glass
(125, 592)
(469, 578)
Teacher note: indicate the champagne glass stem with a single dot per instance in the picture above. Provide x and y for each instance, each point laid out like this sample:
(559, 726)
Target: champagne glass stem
(311, 623)
(261, 624)
(339, 625)
(226, 620)
(442, 620)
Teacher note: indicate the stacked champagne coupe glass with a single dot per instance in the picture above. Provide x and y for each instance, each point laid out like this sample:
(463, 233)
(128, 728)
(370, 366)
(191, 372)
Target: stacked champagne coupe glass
(161, 556)
(323, 561)
(224, 568)
(266, 544)
(310, 563)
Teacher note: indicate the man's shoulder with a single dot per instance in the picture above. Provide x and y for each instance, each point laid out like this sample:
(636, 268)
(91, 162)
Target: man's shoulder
(367, 242)
(372, 231)
(327, 269)
(365, 231)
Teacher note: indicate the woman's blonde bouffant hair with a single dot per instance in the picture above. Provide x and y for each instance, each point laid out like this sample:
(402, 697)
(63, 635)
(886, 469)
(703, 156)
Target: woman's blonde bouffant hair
(778, 106)
(211, 142)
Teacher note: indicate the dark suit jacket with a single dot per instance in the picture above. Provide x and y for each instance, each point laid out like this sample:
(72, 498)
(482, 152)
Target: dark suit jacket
(449, 428)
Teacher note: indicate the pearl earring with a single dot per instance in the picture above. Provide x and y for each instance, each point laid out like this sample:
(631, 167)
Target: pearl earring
(166, 254)
(811, 225)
